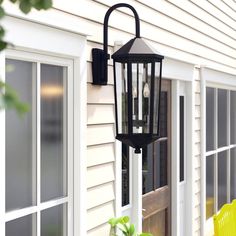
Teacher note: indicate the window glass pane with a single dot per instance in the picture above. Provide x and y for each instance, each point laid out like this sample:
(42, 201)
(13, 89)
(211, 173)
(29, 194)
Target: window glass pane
(147, 159)
(233, 174)
(53, 221)
(222, 117)
(22, 226)
(123, 107)
(156, 99)
(160, 160)
(20, 161)
(209, 186)
(141, 85)
(163, 114)
(155, 166)
(125, 174)
(210, 110)
(233, 117)
(53, 135)
(181, 138)
(222, 179)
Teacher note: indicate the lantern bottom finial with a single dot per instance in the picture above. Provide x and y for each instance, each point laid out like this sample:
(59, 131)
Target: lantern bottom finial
(137, 150)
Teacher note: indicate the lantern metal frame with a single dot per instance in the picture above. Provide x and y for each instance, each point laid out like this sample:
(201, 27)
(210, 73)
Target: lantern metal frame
(135, 51)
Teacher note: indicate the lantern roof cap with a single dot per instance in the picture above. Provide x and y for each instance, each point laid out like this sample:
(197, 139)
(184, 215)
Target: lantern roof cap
(137, 49)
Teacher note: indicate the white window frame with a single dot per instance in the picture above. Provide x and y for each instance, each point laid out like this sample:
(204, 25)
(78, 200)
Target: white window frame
(213, 79)
(46, 42)
(39, 59)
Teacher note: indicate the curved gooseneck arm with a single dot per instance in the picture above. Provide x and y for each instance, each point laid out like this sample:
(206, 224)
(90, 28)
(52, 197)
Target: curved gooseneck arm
(100, 57)
(106, 18)
(105, 29)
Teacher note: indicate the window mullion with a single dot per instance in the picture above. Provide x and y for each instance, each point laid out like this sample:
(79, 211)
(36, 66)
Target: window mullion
(38, 131)
(2, 154)
(216, 155)
(34, 142)
(228, 143)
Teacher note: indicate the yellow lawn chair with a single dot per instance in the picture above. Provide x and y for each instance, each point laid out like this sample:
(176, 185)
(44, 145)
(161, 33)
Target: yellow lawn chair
(225, 221)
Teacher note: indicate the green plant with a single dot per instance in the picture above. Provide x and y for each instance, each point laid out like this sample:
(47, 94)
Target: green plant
(123, 225)
(10, 100)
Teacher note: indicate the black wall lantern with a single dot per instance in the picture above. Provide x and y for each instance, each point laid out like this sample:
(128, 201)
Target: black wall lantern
(137, 93)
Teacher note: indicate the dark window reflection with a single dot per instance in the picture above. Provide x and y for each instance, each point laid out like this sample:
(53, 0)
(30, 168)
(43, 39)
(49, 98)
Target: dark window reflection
(232, 117)
(53, 137)
(210, 186)
(147, 160)
(20, 158)
(125, 174)
(154, 166)
(21, 226)
(53, 221)
(155, 155)
(161, 164)
(181, 138)
(163, 114)
(222, 179)
(210, 114)
(233, 174)
(222, 117)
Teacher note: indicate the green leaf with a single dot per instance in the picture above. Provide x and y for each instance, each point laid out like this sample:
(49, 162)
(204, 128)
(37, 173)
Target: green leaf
(9, 100)
(2, 32)
(43, 4)
(122, 228)
(3, 45)
(113, 222)
(47, 4)
(131, 229)
(25, 6)
(13, 1)
(125, 219)
(2, 12)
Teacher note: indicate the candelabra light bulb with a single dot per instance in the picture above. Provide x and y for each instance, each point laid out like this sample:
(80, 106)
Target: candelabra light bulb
(146, 90)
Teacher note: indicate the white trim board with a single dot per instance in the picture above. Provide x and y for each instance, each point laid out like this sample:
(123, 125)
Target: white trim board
(26, 35)
(217, 77)
(175, 69)
(52, 17)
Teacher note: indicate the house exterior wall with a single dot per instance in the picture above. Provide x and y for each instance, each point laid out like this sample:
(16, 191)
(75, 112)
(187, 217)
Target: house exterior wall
(199, 32)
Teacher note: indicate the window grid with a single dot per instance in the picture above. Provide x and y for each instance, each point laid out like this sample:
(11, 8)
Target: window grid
(36, 209)
(38, 146)
(217, 150)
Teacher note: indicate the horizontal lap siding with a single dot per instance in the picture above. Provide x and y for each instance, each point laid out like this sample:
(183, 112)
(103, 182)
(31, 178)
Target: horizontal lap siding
(100, 150)
(99, 215)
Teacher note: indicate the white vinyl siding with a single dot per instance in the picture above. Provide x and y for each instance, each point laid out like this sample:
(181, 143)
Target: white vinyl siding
(100, 151)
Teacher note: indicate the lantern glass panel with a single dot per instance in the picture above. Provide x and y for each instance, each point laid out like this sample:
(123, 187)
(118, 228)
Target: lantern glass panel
(156, 97)
(122, 97)
(141, 85)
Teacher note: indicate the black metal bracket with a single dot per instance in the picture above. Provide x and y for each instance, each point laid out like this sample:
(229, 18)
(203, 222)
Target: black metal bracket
(100, 57)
